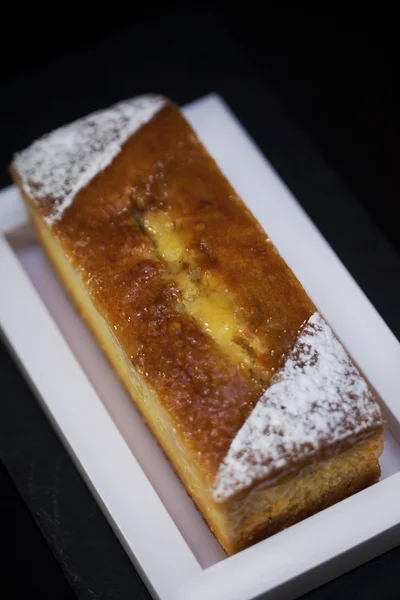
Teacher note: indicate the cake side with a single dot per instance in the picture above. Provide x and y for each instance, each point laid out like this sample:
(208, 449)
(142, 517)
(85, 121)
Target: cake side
(209, 317)
(268, 508)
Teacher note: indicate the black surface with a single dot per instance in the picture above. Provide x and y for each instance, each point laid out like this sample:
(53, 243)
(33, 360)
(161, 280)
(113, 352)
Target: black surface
(28, 565)
(338, 75)
(185, 54)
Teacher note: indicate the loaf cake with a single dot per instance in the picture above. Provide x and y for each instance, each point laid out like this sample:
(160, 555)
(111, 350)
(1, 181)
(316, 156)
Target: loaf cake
(262, 412)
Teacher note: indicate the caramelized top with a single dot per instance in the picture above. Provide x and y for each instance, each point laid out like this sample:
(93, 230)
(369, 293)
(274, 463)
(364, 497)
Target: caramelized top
(191, 286)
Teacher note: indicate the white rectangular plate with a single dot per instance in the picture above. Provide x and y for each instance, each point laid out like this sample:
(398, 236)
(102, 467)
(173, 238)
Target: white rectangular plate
(133, 482)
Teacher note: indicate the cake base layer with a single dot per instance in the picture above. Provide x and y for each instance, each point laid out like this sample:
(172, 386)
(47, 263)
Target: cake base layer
(268, 510)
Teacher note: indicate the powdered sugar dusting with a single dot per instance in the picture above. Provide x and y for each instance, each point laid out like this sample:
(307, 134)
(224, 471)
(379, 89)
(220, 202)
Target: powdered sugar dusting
(317, 399)
(58, 165)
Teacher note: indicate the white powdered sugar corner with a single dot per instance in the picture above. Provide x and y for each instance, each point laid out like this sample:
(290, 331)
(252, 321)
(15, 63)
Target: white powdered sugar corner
(61, 163)
(318, 398)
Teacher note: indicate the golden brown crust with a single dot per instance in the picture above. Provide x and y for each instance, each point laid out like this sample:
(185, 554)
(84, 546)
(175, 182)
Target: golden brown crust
(205, 313)
(221, 238)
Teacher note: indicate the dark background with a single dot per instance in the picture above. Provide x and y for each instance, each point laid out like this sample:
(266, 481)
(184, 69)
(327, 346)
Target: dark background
(334, 74)
(336, 71)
